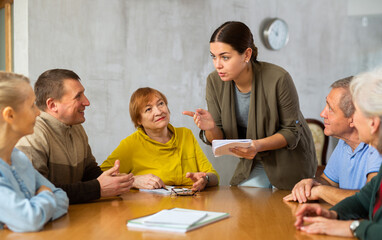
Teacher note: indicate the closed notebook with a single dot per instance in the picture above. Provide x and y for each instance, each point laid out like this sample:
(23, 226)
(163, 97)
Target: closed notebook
(221, 147)
(189, 222)
(173, 217)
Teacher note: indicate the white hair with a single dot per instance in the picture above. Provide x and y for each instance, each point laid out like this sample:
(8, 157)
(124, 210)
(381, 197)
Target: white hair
(366, 90)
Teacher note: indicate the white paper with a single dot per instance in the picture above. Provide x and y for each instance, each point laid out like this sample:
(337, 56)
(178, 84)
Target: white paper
(162, 191)
(221, 147)
(211, 217)
(171, 217)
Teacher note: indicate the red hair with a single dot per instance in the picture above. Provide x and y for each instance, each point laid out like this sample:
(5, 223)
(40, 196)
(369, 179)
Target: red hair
(139, 100)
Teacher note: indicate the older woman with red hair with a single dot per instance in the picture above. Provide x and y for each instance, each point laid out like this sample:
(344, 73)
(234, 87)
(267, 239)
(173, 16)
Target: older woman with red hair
(159, 154)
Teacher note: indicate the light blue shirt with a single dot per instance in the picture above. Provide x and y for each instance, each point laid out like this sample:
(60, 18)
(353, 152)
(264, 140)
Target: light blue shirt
(20, 209)
(350, 169)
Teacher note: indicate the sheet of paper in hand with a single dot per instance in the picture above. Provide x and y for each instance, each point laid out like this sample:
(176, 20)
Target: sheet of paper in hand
(221, 147)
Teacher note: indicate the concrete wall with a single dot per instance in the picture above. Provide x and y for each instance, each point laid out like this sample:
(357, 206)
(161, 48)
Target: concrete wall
(21, 37)
(2, 40)
(118, 46)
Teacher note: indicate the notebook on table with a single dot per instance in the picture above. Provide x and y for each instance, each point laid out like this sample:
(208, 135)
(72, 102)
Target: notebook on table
(176, 220)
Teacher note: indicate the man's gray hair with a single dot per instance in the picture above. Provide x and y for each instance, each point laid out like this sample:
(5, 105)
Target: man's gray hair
(346, 102)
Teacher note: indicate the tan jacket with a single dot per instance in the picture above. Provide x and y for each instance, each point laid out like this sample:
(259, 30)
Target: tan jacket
(274, 108)
(62, 154)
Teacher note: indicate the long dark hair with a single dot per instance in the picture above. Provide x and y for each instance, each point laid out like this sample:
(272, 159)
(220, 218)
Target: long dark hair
(237, 35)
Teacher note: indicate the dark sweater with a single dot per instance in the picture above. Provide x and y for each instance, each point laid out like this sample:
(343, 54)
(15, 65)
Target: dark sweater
(361, 206)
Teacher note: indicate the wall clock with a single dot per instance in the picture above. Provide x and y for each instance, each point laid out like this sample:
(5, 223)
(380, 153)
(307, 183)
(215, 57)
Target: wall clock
(276, 34)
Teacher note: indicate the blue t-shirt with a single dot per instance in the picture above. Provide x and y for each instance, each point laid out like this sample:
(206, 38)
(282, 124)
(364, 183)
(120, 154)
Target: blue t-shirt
(350, 169)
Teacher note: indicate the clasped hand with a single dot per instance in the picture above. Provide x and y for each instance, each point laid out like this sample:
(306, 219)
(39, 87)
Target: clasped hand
(314, 219)
(303, 191)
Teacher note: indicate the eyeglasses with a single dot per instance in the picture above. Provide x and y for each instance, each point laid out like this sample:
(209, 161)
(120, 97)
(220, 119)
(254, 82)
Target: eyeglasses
(182, 192)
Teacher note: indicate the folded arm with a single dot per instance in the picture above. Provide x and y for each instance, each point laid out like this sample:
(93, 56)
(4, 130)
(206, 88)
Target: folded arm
(25, 215)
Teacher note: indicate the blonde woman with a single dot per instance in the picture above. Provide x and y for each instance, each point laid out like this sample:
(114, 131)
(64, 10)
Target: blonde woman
(366, 205)
(27, 199)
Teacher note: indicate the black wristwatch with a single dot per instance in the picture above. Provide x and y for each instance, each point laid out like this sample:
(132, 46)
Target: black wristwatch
(208, 179)
(353, 226)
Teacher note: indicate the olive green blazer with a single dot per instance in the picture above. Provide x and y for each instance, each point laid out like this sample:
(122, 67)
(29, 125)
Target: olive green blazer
(274, 108)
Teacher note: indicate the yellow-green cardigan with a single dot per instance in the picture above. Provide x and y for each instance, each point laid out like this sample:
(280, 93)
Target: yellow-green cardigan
(274, 108)
(140, 155)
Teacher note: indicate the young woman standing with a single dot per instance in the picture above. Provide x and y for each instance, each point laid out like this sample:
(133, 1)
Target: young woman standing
(256, 100)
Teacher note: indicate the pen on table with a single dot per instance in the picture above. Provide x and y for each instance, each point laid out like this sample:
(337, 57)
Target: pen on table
(165, 188)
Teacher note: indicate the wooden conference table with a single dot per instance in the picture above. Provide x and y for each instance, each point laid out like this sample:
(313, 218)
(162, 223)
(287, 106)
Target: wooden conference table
(255, 213)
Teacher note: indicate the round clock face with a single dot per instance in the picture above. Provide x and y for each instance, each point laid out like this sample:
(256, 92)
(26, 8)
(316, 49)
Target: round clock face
(276, 34)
